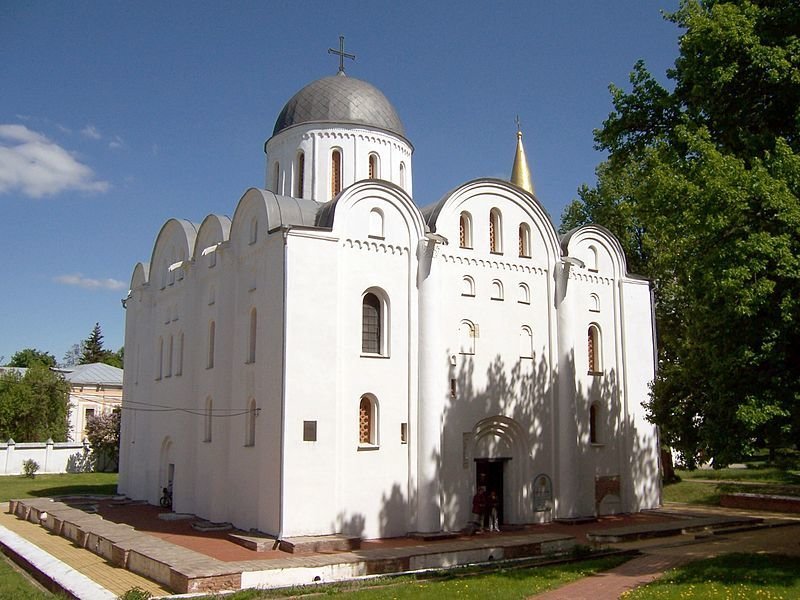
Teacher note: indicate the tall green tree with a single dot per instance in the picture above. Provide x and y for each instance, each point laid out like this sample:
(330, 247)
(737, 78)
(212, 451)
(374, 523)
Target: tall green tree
(702, 185)
(33, 406)
(29, 357)
(93, 350)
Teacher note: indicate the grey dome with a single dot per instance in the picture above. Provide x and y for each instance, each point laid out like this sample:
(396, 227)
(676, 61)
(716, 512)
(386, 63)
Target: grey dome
(340, 99)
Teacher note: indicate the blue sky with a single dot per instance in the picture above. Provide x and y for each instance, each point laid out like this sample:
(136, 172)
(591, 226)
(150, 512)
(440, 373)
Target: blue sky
(115, 116)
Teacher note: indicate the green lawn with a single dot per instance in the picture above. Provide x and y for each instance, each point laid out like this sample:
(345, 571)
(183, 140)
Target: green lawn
(759, 474)
(16, 586)
(18, 486)
(733, 576)
(759, 479)
(500, 584)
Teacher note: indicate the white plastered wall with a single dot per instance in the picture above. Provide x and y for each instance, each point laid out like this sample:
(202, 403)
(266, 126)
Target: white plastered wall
(504, 401)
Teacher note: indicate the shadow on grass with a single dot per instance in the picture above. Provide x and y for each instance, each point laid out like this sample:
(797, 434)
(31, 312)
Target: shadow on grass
(107, 489)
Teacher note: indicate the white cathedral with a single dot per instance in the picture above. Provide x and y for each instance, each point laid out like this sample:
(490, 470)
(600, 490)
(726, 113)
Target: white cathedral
(335, 360)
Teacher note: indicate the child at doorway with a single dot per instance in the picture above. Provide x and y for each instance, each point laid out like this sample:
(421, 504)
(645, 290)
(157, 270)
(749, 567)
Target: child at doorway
(493, 515)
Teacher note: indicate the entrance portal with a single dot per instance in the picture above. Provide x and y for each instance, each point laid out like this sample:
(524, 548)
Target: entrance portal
(489, 473)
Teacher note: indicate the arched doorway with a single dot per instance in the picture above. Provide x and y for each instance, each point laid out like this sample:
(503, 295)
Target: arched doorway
(500, 452)
(166, 471)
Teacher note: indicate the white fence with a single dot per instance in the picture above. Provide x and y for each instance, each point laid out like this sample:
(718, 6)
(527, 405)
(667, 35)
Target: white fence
(52, 457)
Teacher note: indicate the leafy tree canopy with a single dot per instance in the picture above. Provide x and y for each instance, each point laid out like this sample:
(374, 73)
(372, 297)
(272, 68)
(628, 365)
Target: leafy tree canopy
(702, 186)
(33, 406)
(29, 357)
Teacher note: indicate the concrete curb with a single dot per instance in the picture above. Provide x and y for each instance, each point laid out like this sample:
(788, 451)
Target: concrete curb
(53, 573)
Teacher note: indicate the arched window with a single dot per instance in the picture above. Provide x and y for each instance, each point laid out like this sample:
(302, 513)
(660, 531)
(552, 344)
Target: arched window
(368, 421)
(524, 240)
(170, 350)
(468, 286)
(525, 342)
(336, 172)
(159, 370)
(372, 326)
(212, 295)
(495, 231)
(594, 303)
(376, 223)
(251, 348)
(250, 432)
(593, 343)
(208, 419)
(179, 357)
(373, 166)
(591, 263)
(524, 294)
(466, 337)
(211, 335)
(276, 177)
(403, 175)
(593, 418)
(497, 290)
(465, 230)
(301, 172)
(253, 230)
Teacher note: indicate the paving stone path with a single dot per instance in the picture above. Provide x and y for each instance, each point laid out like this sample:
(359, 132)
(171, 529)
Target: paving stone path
(611, 584)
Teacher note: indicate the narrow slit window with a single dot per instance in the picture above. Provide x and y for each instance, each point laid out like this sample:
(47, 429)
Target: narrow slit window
(593, 348)
(495, 232)
(301, 172)
(370, 324)
(367, 417)
(524, 240)
(373, 166)
(211, 336)
(251, 350)
(465, 230)
(336, 172)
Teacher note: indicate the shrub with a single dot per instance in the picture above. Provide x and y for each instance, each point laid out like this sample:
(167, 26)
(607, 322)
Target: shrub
(29, 468)
(136, 593)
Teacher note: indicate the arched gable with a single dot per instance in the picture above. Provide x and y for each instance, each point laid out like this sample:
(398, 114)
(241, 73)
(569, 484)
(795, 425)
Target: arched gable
(141, 275)
(260, 212)
(214, 229)
(597, 248)
(479, 198)
(353, 211)
(175, 242)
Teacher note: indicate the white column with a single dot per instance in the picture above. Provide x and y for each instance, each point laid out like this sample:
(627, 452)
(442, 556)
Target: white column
(567, 483)
(433, 372)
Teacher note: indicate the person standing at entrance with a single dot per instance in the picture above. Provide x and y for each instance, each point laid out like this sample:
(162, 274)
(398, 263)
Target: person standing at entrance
(479, 508)
(493, 504)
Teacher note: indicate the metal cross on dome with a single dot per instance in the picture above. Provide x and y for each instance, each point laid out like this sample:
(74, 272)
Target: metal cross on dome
(342, 54)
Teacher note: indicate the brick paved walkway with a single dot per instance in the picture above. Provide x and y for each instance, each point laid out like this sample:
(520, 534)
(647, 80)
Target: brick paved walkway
(114, 579)
(610, 585)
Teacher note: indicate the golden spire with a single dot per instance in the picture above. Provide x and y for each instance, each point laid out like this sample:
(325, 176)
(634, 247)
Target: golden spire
(520, 173)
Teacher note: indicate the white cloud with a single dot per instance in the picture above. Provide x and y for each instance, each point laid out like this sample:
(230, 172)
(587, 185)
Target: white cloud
(116, 142)
(88, 283)
(37, 166)
(90, 131)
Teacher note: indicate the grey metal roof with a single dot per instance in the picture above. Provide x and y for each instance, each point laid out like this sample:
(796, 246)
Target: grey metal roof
(340, 99)
(285, 211)
(94, 374)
